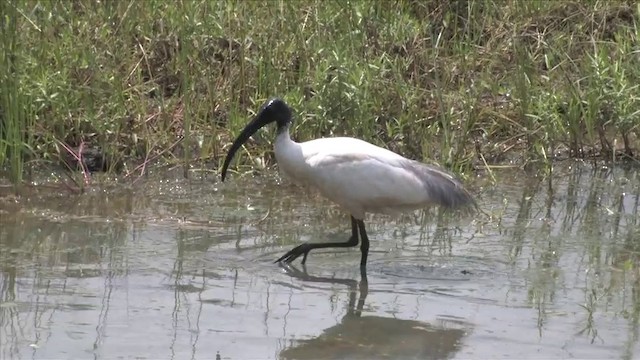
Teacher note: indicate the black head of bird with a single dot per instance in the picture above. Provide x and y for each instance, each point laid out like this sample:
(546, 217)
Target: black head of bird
(274, 110)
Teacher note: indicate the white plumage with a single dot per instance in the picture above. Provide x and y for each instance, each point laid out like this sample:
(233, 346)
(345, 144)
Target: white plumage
(361, 177)
(358, 176)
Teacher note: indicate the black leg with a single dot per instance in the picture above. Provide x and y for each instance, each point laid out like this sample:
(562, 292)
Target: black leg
(364, 245)
(353, 309)
(353, 241)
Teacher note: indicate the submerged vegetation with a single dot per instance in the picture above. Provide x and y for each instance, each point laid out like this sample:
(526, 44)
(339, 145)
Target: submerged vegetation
(118, 85)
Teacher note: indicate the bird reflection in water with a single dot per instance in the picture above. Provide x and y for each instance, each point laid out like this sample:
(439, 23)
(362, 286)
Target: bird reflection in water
(372, 337)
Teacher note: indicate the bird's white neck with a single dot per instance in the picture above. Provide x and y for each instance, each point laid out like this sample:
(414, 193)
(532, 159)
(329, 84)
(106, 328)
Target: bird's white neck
(283, 142)
(288, 154)
(283, 137)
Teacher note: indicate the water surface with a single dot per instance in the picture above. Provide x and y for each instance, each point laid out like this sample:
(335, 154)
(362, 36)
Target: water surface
(183, 269)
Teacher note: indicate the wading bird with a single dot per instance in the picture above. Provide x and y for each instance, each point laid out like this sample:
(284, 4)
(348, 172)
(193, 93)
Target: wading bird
(358, 176)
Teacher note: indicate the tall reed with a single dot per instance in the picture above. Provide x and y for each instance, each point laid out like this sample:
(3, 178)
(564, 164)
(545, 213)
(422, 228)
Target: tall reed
(467, 84)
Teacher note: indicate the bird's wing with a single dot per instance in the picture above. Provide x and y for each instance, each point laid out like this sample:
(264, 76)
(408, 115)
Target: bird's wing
(345, 149)
(364, 177)
(443, 188)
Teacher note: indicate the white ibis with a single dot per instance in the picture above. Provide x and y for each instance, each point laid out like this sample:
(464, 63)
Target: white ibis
(358, 176)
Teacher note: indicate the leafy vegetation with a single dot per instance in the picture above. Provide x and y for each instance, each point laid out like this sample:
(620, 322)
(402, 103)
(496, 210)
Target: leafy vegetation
(468, 83)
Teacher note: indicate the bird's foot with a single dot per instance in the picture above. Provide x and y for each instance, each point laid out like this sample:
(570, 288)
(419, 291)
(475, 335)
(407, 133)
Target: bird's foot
(295, 253)
(293, 271)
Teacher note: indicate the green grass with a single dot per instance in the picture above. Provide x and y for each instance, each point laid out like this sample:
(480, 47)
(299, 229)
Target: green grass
(463, 83)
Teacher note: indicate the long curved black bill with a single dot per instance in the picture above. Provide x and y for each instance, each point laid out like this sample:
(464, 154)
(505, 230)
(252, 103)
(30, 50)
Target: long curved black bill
(252, 127)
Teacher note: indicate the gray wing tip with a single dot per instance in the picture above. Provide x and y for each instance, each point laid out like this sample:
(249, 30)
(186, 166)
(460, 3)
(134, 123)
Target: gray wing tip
(461, 198)
(444, 188)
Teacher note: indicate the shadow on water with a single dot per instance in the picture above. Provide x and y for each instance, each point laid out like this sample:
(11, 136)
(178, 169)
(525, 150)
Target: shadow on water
(177, 269)
(368, 337)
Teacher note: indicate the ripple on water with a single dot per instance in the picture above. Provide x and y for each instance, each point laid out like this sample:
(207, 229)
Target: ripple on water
(469, 278)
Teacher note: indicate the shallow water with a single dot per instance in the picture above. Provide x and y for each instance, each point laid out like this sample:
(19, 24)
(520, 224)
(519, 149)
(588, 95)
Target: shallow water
(183, 269)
